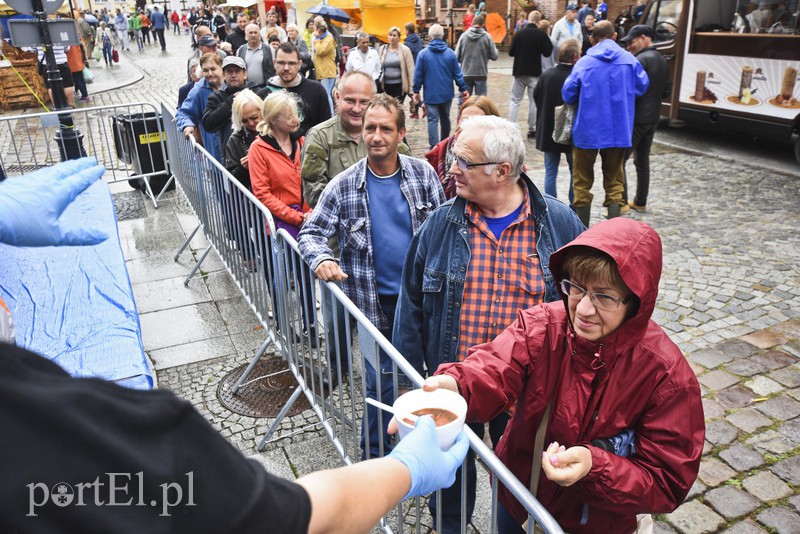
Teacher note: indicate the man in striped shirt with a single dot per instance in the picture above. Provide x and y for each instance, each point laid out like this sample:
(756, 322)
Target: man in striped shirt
(477, 261)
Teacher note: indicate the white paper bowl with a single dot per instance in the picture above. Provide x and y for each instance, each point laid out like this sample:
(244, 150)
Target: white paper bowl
(440, 398)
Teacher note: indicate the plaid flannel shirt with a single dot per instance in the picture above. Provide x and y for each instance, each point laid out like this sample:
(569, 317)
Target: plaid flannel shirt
(504, 277)
(343, 211)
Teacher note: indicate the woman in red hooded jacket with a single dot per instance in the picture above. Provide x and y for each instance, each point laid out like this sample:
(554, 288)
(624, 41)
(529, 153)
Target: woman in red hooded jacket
(603, 367)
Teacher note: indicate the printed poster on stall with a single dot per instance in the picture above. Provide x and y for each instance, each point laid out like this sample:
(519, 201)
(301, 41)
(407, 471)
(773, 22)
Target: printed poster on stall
(768, 87)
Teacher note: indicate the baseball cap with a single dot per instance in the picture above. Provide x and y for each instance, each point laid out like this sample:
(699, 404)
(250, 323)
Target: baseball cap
(572, 7)
(207, 40)
(638, 31)
(236, 61)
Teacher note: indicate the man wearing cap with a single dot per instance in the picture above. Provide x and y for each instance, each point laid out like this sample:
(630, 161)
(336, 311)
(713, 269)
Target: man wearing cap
(604, 84)
(648, 111)
(219, 110)
(205, 43)
(567, 27)
(258, 57)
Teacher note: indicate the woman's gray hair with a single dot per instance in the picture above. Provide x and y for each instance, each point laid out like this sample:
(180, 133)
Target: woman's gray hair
(245, 96)
(502, 142)
(292, 27)
(436, 31)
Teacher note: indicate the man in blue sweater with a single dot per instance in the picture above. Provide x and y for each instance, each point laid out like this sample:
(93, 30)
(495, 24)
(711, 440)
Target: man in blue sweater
(159, 22)
(436, 69)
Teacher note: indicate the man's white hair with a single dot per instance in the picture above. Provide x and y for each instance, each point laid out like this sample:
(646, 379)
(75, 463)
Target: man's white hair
(436, 31)
(502, 142)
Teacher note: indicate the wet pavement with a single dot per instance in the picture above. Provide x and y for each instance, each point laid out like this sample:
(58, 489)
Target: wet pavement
(729, 297)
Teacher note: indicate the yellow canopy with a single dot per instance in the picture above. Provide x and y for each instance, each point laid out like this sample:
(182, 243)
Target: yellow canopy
(380, 15)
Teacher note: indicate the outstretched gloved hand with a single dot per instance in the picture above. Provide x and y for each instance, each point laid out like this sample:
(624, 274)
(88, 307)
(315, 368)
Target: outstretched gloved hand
(431, 468)
(30, 205)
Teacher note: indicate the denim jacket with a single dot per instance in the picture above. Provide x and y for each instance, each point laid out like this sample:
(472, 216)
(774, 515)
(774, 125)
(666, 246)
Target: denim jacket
(426, 329)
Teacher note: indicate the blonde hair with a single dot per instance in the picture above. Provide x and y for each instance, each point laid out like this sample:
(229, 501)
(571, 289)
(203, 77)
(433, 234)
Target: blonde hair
(544, 25)
(395, 29)
(244, 97)
(275, 104)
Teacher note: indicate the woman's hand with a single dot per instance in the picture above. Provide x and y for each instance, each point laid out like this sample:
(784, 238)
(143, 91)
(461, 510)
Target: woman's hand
(244, 162)
(564, 466)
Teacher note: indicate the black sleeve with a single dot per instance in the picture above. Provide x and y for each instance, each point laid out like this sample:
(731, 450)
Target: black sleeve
(547, 46)
(218, 111)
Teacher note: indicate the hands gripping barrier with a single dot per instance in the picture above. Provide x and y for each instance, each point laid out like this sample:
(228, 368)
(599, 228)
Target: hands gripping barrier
(324, 349)
(127, 139)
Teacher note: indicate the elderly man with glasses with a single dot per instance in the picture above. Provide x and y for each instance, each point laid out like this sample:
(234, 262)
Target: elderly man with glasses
(477, 261)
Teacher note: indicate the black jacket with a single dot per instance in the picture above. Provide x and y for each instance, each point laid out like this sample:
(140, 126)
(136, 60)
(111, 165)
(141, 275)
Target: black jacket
(313, 100)
(547, 95)
(648, 106)
(267, 66)
(236, 38)
(237, 148)
(527, 48)
(219, 110)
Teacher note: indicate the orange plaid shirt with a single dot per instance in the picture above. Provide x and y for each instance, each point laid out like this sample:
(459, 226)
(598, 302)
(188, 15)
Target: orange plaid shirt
(503, 277)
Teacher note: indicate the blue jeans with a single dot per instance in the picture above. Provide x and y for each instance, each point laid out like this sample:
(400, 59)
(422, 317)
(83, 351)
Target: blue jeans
(505, 523)
(377, 431)
(475, 87)
(451, 497)
(328, 84)
(438, 113)
(551, 162)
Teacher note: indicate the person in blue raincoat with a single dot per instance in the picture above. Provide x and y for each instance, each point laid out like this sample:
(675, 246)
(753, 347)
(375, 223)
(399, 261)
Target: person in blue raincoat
(189, 116)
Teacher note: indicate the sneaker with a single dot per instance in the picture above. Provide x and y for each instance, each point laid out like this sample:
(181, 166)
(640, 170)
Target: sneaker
(84, 99)
(634, 206)
(531, 134)
(625, 208)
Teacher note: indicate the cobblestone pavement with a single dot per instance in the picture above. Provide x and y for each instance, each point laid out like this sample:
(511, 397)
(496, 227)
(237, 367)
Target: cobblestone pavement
(730, 298)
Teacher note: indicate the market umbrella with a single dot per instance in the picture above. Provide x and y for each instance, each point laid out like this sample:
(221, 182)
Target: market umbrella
(496, 27)
(333, 13)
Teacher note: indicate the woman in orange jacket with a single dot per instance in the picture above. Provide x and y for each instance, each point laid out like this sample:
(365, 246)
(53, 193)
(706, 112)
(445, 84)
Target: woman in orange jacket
(274, 160)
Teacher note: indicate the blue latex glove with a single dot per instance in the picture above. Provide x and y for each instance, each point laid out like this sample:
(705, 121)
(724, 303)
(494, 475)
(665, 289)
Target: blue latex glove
(431, 468)
(30, 205)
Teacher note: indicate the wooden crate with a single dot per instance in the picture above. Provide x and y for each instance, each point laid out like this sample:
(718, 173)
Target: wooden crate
(13, 92)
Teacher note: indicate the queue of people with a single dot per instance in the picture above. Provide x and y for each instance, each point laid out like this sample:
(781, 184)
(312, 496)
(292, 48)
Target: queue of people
(489, 287)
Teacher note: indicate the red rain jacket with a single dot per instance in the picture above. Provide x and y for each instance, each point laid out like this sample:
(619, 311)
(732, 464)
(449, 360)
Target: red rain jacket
(635, 378)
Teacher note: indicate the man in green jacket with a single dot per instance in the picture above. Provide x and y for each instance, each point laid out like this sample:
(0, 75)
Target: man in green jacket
(135, 26)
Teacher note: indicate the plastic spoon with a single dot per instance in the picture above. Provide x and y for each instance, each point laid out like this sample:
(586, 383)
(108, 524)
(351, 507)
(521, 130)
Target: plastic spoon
(385, 407)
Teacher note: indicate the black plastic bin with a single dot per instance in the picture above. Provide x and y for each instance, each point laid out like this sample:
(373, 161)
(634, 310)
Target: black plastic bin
(142, 135)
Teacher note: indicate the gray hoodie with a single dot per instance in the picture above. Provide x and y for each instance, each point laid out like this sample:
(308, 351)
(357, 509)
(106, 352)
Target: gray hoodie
(474, 49)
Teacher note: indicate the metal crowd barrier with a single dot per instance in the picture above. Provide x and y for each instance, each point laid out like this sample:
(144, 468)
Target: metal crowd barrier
(127, 139)
(327, 364)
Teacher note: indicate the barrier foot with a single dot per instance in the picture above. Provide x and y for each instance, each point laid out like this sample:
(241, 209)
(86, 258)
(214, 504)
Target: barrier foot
(186, 243)
(150, 191)
(164, 189)
(253, 362)
(196, 266)
(288, 406)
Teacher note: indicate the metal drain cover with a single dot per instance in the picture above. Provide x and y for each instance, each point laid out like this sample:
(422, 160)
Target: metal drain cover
(265, 392)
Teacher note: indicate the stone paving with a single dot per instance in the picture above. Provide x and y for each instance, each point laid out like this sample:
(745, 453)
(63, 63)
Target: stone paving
(729, 296)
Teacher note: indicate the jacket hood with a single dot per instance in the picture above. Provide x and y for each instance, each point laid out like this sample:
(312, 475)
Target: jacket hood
(475, 33)
(438, 46)
(636, 249)
(606, 50)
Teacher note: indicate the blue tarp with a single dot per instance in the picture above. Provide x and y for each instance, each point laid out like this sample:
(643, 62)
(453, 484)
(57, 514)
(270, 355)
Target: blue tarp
(75, 305)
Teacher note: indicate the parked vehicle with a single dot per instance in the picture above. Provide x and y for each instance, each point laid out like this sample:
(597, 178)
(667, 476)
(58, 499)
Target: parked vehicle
(733, 64)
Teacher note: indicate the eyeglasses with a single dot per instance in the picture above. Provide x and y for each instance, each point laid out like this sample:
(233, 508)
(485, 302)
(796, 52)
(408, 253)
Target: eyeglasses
(600, 300)
(284, 64)
(464, 164)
